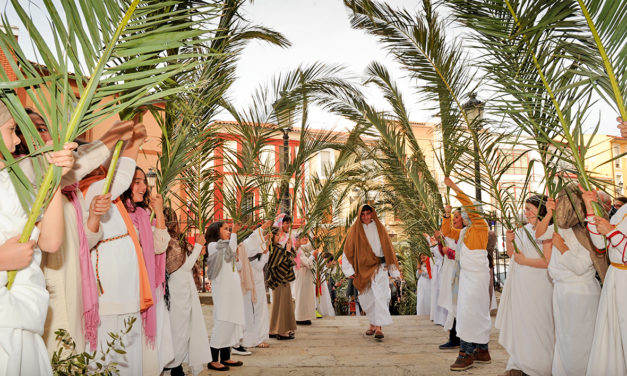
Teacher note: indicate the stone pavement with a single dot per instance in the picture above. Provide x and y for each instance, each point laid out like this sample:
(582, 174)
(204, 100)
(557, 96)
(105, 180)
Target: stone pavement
(337, 346)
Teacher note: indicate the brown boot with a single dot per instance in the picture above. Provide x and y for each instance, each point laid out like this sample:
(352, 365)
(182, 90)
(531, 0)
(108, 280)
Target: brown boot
(463, 362)
(482, 356)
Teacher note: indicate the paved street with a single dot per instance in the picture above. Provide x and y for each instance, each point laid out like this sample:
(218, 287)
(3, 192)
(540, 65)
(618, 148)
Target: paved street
(337, 346)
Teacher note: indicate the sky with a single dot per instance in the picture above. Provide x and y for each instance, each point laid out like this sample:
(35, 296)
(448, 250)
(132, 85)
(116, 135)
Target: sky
(319, 31)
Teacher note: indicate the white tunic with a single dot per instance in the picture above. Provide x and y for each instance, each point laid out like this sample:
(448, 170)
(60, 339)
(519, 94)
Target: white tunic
(189, 333)
(256, 314)
(445, 299)
(575, 300)
(473, 298)
(525, 315)
(437, 314)
(228, 304)
(374, 301)
(23, 308)
(609, 347)
(323, 303)
(304, 287)
(62, 268)
(423, 292)
(115, 262)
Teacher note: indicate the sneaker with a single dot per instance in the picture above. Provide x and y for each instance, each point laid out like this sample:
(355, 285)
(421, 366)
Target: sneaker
(449, 346)
(318, 315)
(240, 350)
(177, 371)
(481, 356)
(462, 363)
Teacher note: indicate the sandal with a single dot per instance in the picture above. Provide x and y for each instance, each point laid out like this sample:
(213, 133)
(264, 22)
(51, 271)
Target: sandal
(378, 334)
(263, 345)
(369, 332)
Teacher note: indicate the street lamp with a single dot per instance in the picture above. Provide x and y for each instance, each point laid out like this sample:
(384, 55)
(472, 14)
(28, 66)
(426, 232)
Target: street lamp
(151, 177)
(284, 115)
(474, 108)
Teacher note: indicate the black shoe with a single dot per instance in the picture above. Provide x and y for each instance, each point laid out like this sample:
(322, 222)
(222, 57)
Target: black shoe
(449, 346)
(177, 371)
(280, 337)
(304, 322)
(272, 335)
(225, 368)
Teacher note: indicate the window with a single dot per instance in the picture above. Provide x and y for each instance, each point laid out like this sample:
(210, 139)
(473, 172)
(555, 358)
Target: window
(229, 156)
(326, 162)
(267, 158)
(619, 184)
(617, 162)
(247, 206)
(520, 162)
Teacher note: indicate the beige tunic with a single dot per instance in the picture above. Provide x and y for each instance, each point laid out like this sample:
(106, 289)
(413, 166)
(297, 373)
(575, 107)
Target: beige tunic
(62, 269)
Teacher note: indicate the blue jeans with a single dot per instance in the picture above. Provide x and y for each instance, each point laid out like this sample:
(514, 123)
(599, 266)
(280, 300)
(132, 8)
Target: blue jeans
(469, 347)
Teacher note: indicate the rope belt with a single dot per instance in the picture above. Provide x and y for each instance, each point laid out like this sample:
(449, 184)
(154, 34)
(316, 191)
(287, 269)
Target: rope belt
(100, 290)
(619, 266)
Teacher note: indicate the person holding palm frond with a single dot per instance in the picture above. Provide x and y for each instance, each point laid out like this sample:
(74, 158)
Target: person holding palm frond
(438, 314)
(226, 287)
(189, 331)
(24, 307)
(118, 263)
(256, 308)
(525, 315)
(369, 260)
(304, 287)
(609, 346)
(423, 285)
(446, 299)
(576, 290)
(158, 350)
(280, 274)
(473, 301)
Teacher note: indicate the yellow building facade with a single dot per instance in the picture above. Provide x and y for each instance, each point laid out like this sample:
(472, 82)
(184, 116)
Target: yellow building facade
(607, 162)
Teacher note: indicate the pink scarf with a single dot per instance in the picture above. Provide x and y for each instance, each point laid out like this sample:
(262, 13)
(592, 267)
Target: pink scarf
(155, 265)
(89, 287)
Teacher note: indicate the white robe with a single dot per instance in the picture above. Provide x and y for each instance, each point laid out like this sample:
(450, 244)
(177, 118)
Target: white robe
(473, 299)
(187, 323)
(525, 316)
(117, 265)
(324, 305)
(157, 356)
(304, 288)
(376, 300)
(423, 292)
(228, 303)
(575, 300)
(256, 314)
(23, 308)
(609, 347)
(62, 268)
(445, 299)
(437, 314)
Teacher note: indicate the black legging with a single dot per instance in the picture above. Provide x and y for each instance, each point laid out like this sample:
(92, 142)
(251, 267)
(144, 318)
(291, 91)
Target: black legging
(224, 353)
(452, 335)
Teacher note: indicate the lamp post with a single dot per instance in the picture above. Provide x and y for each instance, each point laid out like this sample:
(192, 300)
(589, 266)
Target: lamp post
(284, 113)
(474, 108)
(151, 177)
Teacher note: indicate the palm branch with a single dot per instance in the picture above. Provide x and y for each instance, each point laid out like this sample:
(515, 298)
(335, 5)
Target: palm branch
(100, 43)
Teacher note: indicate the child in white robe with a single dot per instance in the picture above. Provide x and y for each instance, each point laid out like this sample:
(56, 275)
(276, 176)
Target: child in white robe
(189, 333)
(258, 325)
(228, 311)
(23, 307)
(118, 264)
(423, 286)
